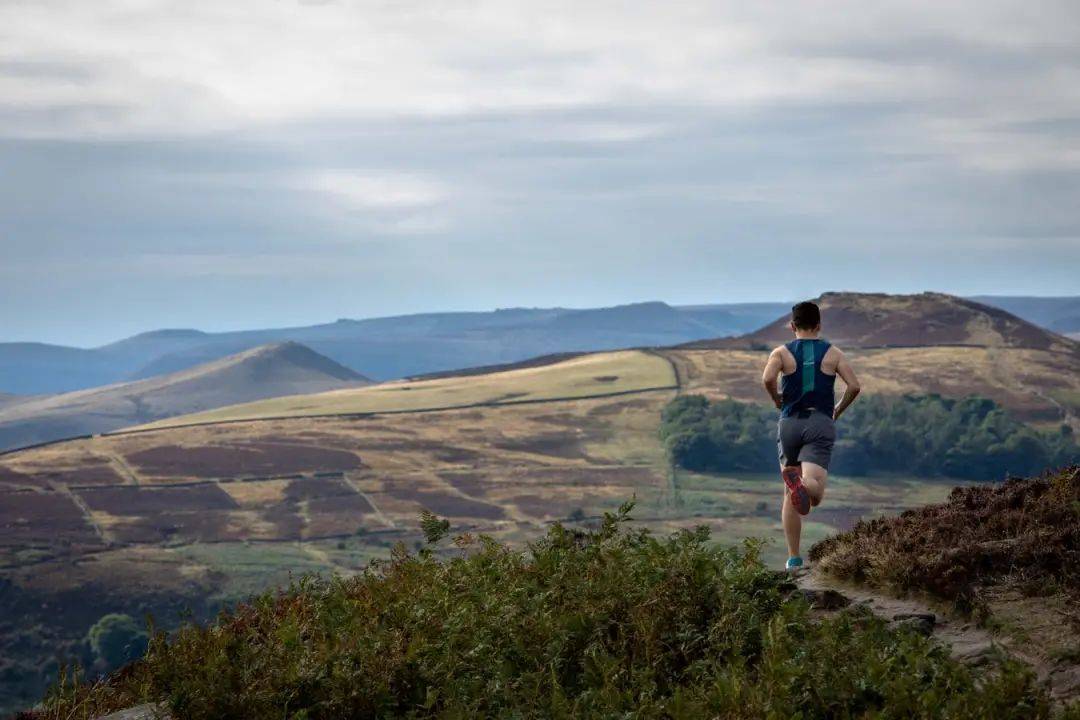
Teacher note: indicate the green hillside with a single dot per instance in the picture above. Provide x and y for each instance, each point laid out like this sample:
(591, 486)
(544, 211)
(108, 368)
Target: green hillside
(610, 623)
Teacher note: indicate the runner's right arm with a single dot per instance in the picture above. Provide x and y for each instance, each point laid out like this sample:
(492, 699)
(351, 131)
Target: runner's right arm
(771, 376)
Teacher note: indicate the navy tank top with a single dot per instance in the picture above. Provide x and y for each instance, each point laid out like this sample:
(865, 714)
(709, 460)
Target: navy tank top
(807, 388)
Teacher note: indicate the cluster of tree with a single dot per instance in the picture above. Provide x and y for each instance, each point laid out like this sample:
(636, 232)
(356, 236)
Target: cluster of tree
(927, 435)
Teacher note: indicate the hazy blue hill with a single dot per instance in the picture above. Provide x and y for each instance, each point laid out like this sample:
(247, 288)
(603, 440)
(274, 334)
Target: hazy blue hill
(1060, 314)
(738, 317)
(382, 348)
(156, 342)
(404, 345)
(7, 399)
(265, 371)
(36, 368)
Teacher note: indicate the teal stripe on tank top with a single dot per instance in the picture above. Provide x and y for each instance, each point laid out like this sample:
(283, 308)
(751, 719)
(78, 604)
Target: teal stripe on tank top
(808, 367)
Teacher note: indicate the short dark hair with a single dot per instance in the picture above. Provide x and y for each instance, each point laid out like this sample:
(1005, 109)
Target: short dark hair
(806, 315)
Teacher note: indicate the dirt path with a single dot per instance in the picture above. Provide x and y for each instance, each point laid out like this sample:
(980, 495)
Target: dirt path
(967, 642)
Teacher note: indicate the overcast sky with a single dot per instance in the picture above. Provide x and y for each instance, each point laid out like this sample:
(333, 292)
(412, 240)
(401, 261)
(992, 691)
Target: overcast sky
(255, 163)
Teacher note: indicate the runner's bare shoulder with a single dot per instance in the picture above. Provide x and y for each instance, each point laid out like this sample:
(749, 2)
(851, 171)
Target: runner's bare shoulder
(787, 360)
(832, 359)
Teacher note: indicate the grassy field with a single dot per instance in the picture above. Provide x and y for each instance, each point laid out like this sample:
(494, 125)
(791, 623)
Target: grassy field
(585, 376)
(748, 505)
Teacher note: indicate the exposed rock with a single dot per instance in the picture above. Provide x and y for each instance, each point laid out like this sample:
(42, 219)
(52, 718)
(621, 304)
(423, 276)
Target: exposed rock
(928, 617)
(825, 599)
(147, 711)
(916, 624)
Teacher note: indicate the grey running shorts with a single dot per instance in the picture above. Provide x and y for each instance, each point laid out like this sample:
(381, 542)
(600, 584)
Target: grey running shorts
(806, 437)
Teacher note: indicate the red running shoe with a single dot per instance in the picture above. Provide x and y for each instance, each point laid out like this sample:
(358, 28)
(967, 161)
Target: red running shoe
(800, 498)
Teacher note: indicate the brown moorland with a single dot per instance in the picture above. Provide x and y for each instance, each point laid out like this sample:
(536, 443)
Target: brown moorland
(1022, 534)
(1005, 554)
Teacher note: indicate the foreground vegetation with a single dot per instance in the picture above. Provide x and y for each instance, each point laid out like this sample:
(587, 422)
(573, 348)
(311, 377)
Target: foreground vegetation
(1023, 534)
(929, 435)
(605, 623)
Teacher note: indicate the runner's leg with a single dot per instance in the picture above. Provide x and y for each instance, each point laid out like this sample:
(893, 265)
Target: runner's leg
(814, 477)
(792, 522)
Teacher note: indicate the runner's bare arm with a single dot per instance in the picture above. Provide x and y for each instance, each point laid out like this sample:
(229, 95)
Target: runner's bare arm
(847, 374)
(770, 377)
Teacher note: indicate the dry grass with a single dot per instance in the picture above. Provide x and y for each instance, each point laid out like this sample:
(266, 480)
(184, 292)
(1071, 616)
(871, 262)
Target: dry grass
(256, 494)
(585, 376)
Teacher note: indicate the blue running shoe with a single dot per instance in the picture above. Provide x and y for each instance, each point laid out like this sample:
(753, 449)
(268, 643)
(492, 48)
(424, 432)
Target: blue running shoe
(794, 563)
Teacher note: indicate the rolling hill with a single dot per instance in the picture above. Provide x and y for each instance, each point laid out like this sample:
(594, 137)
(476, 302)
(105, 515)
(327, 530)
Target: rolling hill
(269, 370)
(901, 344)
(383, 348)
(864, 320)
(904, 344)
(1060, 314)
(198, 514)
(408, 345)
(585, 376)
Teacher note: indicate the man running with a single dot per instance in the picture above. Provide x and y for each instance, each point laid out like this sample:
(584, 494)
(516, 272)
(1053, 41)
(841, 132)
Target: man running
(807, 368)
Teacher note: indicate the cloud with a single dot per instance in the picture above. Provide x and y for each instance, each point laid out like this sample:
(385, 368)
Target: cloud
(479, 154)
(376, 191)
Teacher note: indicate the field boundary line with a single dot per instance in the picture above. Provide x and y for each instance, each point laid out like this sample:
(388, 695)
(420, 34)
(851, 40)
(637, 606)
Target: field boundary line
(674, 367)
(378, 413)
(350, 415)
(88, 514)
(377, 510)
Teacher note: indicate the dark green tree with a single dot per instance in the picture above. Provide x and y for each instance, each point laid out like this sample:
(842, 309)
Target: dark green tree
(926, 435)
(117, 639)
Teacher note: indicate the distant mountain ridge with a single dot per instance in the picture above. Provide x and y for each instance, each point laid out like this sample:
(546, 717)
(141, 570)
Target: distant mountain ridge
(384, 348)
(265, 371)
(870, 320)
(1060, 314)
(409, 345)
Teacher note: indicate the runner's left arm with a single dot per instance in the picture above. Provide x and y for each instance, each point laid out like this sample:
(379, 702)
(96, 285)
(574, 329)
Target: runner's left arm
(847, 374)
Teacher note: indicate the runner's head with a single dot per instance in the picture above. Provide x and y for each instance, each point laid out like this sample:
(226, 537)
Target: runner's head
(806, 317)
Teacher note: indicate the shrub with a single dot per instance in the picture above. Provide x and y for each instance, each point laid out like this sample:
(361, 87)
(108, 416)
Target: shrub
(611, 623)
(117, 639)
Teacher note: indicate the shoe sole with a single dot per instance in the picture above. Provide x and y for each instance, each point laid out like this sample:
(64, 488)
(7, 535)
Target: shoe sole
(800, 498)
